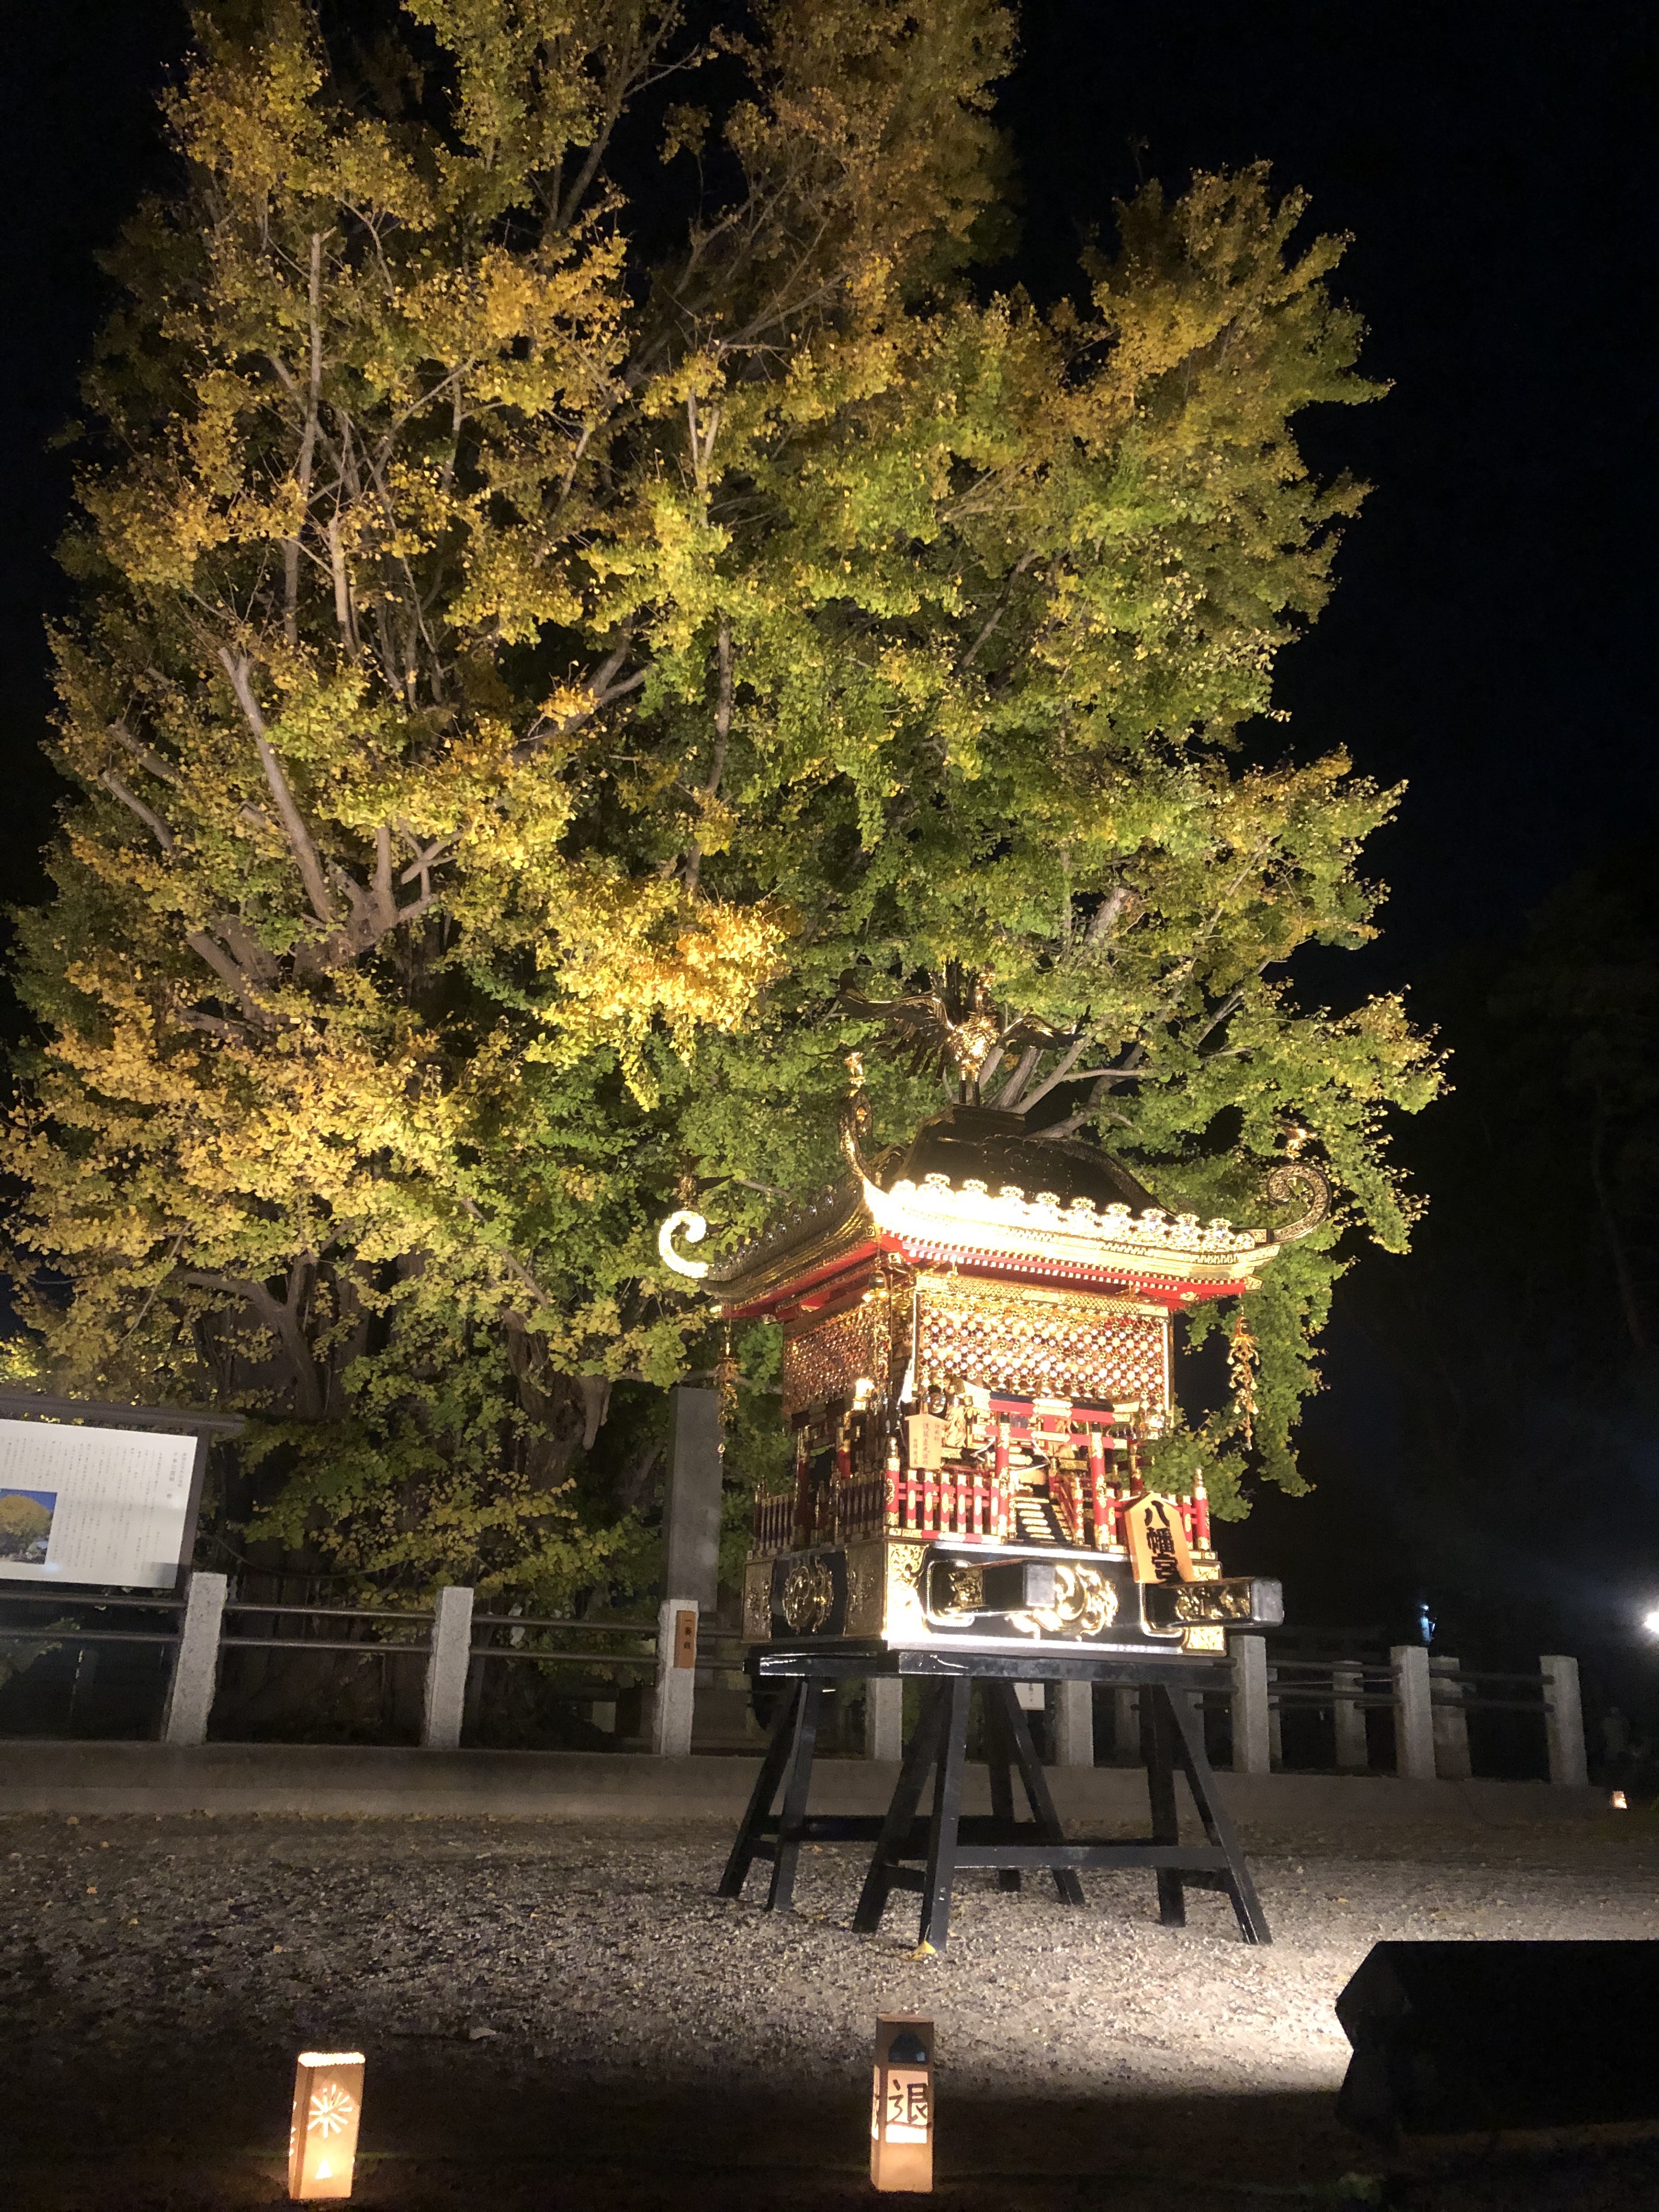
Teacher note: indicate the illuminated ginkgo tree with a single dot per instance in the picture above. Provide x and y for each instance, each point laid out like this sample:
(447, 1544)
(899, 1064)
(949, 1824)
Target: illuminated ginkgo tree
(547, 613)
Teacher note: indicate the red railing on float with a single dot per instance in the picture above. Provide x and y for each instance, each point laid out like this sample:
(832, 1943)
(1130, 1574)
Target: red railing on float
(775, 1524)
(975, 1504)
(970, 1504)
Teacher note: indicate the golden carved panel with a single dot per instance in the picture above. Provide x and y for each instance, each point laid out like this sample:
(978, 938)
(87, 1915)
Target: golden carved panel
(904, 1613)
(1043, 1344)
(758, 1601)
(808, 1596)
(866, 1588)
(825, 1359)
(1199, 1603)
(1085, 1603)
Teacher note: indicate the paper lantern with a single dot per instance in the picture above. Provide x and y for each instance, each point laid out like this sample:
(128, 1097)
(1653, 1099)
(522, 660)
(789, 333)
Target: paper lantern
(901, 2103)
(322, 2144)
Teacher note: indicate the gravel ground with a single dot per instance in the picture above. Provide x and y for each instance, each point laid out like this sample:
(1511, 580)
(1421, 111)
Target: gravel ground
(553, 2008)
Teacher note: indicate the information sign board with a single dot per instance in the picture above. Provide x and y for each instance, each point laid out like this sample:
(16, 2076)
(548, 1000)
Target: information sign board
(88, 1500)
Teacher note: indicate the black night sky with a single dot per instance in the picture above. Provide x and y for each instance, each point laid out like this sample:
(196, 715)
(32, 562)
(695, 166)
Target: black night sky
(1490, 640)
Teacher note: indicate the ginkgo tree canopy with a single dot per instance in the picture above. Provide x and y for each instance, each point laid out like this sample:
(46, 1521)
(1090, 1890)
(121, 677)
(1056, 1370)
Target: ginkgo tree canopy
(548, 613)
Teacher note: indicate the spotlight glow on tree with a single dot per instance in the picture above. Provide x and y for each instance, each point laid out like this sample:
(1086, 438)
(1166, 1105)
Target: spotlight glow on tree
(520, 669)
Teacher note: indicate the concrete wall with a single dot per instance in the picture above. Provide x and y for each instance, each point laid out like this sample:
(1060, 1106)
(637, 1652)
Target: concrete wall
(347, 1780)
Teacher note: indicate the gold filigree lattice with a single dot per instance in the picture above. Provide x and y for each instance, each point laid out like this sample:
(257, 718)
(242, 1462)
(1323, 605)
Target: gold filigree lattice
(1036, 1343)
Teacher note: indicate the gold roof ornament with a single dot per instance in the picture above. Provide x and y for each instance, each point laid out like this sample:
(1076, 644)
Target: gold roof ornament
(953, 1026)
(977, 1192)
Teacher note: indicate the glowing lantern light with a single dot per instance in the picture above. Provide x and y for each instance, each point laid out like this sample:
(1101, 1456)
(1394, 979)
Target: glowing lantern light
(1618, 1803)
(901, 2103)
(322, 2144)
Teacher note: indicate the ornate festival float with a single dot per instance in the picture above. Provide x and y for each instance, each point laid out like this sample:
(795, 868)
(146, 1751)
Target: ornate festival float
(975, 1355)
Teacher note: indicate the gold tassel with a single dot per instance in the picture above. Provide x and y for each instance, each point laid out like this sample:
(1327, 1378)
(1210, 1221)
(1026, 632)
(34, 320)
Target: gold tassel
(1243, 1358)
(726, 1382)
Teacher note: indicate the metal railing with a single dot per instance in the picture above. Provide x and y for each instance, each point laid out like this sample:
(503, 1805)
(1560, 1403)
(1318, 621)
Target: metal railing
(1430, 1698)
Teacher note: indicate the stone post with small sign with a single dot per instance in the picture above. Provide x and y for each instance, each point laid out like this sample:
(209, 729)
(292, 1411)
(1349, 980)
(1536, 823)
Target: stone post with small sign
(674, 1697)
(1451, 1720)
(449, 1660)
(1251, 1731)
(883, 1718)
(691, 1522)
(1414, 1713)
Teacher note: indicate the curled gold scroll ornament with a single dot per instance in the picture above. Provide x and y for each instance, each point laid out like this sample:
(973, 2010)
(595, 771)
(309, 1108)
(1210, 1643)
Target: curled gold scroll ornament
(1085, 1603)
(1298, 1182)
(695, 1230)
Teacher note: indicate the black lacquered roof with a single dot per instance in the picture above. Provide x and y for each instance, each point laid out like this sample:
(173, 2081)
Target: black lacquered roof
(980, 1144)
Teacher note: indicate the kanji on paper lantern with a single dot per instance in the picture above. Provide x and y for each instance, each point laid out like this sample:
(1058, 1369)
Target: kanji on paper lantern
(901, 2103)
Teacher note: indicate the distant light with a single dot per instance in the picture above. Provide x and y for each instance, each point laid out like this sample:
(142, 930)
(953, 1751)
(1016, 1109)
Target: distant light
(328, 2102)
(1650, 1621)
(1617, 1802)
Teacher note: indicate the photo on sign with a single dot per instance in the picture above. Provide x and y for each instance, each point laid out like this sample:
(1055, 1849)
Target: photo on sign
(25, 1524)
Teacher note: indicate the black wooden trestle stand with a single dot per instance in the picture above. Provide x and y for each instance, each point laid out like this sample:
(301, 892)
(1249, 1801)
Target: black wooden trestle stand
(913, 1853)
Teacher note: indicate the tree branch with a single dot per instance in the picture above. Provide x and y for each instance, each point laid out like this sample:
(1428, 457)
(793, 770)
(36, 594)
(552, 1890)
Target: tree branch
(1058, 1073)
(282, 1316)
(163, 770)
(1023, 1067)
(152, 822)
(299, 837)
(602, 692)
(1073, 1122)
(997, 611)
(1106, 914)
(722, 731)
(510, 1261)
(307, 445)
(233, 978)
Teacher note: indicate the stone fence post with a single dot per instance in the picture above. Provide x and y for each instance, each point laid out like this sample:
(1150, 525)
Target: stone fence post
(675, 1694)
(196, 1663)
(1413, 1713)
(1451, 1723)
(448, 1658)
(884, 1717)
(1563, 1720)
(1252, 1735)
(1126, 1728)
(691, 1518)
(1348, 1717)
(1073, 1713)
